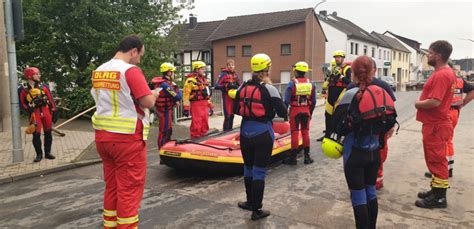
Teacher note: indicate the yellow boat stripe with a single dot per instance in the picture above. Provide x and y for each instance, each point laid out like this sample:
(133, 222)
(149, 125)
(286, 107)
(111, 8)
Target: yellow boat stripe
(220, 159)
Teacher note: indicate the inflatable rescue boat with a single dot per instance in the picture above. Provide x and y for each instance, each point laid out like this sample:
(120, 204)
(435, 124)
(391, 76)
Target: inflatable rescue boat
(220, 151)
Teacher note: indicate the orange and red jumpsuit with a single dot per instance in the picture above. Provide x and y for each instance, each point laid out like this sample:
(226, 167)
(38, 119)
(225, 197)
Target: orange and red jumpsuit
(196, 95)
(437, 127)
(456, 104)
(124, 159)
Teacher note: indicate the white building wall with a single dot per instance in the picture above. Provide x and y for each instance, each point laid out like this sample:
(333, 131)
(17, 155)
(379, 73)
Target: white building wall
(337, 40)
(415, 59)
(360, 45)
(380, 58)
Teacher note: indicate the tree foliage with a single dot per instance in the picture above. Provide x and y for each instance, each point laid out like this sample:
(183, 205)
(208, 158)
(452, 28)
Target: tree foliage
(69, 39)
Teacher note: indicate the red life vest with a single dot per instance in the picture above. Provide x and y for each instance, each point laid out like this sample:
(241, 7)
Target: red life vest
(201, 90)
(301, 92)
(230, 80)
(375, 102)
(458, 91)
(250, 100)
(164, 102)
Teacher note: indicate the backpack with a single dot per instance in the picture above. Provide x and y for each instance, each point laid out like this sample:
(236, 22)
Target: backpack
(372, 112)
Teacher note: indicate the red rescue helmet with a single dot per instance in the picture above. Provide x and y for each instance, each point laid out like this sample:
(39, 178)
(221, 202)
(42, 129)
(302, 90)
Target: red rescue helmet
(30, 72)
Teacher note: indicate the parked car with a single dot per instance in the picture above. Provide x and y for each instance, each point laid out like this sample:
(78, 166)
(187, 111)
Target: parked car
(415, 85)
(390, 81)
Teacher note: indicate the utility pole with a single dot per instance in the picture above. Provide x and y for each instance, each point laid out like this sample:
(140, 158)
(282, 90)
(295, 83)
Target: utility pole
(17, 151)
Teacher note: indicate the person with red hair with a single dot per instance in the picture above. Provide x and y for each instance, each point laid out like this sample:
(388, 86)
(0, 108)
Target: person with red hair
(363, 124)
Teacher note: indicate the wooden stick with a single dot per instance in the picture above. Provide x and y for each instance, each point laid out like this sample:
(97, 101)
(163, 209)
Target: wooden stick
(77, 116)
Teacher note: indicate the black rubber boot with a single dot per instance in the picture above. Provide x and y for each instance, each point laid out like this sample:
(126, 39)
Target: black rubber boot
(37, 146)
(373, 210)
(247, 205)
(258, 187)
(307, 158)
(423, 195)
(291, 159)
(48, 141)
(436, 200)
(361, 216)
(321, 138)
(428, 174)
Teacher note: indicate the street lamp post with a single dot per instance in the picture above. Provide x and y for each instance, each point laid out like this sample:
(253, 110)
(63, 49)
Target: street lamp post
(312, 37)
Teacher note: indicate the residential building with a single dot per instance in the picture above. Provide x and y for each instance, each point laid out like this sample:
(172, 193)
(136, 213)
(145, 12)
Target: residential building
(193, 44)
(398, 61)
(415, 57)
(286, 36)
(343, 34)
(426, 69)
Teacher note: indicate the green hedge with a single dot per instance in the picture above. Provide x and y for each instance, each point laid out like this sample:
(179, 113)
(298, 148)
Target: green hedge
(77, 100)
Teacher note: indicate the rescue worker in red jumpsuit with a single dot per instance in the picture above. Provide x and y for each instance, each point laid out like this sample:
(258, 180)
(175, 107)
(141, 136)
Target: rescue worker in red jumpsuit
(300, 96)
(169, 97)
(121, 124)
(461, 87)
(437, 129)
(228, 80)
(196, 99)
(36, 99)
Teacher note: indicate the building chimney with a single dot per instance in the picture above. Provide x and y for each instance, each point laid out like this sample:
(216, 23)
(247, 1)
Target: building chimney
(334, 14)
(323, 13)
(192, 21)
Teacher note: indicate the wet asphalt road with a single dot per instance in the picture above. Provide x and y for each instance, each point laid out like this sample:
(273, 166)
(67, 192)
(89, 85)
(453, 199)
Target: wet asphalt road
(298, 197)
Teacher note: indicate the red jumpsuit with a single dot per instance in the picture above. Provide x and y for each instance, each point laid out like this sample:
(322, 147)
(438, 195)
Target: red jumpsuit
(196, 95)
(437, 126)
(165, 102)
(124, 163)
(227, 80)
(39, 103)
(301, 108)
(461, 87)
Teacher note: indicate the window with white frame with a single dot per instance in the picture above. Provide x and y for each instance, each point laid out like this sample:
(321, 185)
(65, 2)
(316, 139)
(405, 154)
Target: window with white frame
(246, 76)
(373, 52)
(230, 51)
(380, 53)
(352, 47)
(356, 48)
(285, 76)
(365, 49)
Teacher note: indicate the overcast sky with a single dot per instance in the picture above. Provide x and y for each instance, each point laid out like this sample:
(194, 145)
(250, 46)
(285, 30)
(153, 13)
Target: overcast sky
(423, 21)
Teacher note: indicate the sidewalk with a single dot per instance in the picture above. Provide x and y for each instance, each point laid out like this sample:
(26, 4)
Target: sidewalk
(77, 148)
(66, 149)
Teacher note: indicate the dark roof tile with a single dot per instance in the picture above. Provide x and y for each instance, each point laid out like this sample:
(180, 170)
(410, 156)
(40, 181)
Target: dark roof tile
(246, 24)
(196, 38)
(394, 43)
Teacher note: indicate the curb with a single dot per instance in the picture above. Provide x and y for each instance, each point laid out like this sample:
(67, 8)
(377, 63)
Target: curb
(9, 178)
